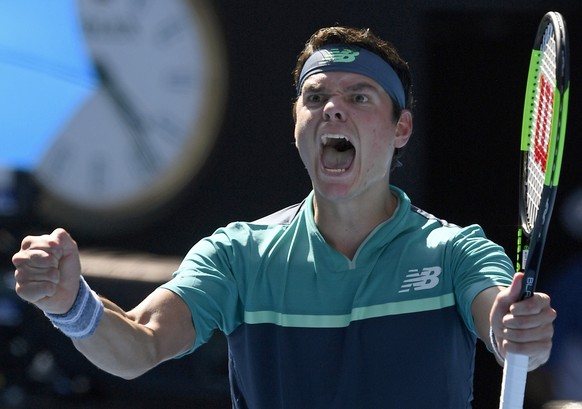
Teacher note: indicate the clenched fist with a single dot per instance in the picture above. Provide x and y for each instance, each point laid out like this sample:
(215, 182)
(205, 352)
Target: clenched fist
(48, 271)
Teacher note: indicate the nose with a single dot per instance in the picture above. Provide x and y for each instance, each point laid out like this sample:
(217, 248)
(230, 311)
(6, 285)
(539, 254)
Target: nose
(334, 110)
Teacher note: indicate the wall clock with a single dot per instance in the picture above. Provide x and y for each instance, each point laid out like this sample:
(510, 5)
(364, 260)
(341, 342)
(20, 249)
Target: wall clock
(149, 125)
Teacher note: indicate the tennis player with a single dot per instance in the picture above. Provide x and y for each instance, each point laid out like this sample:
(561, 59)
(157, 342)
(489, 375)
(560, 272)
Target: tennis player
(353, 298)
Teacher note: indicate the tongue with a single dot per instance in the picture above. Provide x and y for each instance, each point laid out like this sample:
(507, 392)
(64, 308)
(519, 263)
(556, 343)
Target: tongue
(334, 159)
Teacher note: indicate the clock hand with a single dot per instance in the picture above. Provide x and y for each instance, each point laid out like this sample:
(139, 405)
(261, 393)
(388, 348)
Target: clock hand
(130, 116)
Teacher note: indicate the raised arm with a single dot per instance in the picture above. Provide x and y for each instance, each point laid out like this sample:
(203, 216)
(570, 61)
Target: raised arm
(126, 344)
(524, 327)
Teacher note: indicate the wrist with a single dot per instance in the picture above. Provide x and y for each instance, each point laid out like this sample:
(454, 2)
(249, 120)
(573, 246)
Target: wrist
(495, 346)
(83, 317)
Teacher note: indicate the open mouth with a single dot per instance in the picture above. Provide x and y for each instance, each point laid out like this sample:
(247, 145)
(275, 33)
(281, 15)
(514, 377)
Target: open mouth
(338, 153)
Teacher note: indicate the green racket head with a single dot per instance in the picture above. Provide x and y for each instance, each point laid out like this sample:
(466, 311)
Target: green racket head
(544, 117)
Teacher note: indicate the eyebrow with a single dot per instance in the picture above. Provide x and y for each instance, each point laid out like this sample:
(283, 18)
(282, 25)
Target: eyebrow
(362, 86)
(357, 87)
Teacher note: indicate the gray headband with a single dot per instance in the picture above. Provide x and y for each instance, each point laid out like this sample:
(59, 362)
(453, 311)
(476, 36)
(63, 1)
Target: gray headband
(349, 58)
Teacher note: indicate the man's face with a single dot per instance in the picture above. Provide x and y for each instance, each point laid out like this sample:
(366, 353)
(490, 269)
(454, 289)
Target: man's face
(345, 133)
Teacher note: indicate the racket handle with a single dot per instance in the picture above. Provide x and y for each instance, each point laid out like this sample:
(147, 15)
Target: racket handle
(514, 379)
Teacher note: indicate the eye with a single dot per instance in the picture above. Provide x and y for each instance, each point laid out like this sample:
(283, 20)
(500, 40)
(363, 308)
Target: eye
(313, 98)
(360, 98)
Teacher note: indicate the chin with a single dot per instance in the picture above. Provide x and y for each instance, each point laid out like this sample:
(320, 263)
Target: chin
(334, 192)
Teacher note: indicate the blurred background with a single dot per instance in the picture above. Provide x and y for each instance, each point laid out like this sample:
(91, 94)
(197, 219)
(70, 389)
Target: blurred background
(143, 125)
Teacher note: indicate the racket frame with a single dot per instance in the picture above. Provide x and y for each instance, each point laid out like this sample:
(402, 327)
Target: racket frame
(531, 241)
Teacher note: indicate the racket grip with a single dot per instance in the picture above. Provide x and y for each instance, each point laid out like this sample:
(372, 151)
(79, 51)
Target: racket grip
(514, 379)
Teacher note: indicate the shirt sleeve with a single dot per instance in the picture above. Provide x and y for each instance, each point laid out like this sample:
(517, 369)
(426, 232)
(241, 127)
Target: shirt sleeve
(478, 263)
(206, 281)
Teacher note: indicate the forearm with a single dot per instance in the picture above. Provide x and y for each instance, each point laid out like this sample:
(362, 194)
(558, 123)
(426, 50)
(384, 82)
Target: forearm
(119, 345)
(481, 310)
(125, 344)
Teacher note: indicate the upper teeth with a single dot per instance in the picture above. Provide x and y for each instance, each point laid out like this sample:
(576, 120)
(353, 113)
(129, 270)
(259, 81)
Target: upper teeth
(325, 138)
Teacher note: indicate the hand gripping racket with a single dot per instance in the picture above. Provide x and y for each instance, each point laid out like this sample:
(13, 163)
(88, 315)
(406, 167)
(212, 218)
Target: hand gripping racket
(542, 144)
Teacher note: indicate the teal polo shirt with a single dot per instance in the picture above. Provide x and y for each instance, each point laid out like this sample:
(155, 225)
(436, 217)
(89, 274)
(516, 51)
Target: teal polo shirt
(308, 327)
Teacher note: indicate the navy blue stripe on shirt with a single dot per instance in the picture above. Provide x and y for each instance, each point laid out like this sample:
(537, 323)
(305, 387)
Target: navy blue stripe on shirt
(431, 356)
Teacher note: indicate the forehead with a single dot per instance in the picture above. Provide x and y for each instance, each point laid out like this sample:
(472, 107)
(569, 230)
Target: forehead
(332, 80)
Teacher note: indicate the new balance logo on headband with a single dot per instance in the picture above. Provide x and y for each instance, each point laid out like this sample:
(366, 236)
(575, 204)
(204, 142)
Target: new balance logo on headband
(351, 58)
(335, 55)
(426, 279)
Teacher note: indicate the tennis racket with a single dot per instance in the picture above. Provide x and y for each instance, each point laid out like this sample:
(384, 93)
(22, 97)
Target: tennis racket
(542, 145)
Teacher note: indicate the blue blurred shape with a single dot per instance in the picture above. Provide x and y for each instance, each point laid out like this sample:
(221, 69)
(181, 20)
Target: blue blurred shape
(45, 76)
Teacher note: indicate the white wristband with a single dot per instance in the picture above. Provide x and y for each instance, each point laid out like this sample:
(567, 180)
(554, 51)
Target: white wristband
(494, 346)
(82, 319)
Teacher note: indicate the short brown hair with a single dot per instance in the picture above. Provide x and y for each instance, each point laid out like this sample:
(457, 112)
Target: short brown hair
(363, 38)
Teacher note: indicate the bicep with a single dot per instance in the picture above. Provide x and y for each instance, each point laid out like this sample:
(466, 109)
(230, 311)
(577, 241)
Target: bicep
(169, 319)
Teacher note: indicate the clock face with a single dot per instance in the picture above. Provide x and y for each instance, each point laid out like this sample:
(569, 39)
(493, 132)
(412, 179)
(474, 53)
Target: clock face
(152, 118)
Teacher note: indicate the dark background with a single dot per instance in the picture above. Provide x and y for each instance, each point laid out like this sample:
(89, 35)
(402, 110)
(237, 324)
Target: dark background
(469, 62)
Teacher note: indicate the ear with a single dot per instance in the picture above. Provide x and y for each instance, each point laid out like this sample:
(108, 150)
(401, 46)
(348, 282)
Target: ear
(403, 128)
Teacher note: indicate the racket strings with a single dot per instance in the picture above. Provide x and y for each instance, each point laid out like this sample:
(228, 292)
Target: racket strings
(540, 133)
(535, 185)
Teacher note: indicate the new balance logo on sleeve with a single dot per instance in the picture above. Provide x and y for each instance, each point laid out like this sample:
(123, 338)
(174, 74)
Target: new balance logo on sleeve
(424, 280)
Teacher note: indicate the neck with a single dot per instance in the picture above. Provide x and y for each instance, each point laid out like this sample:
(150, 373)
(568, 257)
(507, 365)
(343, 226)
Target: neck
(346, 224)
